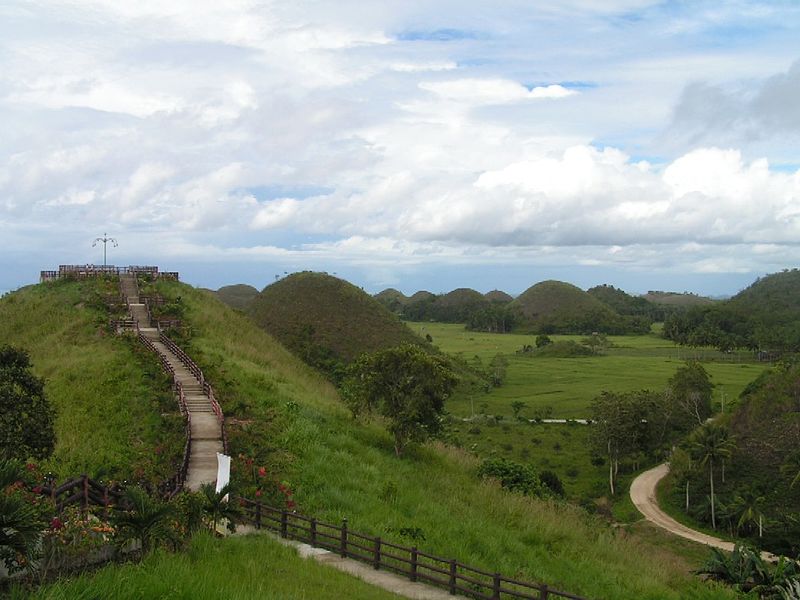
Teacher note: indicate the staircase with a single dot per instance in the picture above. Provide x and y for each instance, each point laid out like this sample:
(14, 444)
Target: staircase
(206, 431)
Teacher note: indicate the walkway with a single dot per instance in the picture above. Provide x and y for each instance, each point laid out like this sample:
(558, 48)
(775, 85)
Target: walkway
(206, 433)
(643, 495)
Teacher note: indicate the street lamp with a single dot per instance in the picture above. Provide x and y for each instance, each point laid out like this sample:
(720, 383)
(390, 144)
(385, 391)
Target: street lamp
(105, 239)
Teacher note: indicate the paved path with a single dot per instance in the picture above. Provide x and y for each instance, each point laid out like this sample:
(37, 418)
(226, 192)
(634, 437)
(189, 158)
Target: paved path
(643, 495)
(206, 433)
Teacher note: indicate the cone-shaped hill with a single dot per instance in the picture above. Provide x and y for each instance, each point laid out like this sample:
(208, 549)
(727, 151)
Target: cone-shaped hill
(454, 307)
(324, 319)
(676, 298)
(237, 296)
(392, 299)
(498, 297)
(558, 307)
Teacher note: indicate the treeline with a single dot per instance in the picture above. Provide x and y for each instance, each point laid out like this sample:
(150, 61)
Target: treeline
(765, 317)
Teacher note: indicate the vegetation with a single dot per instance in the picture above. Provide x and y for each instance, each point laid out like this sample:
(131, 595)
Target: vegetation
(26, 417)
(406, 386)
(254, 566)
(116, 416)
(747, 571)
(764, 317)
(326, 321)
(20, 523)
(238, 296)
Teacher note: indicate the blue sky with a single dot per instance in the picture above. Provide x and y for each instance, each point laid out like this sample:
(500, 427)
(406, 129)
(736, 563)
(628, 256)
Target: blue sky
(417, 145)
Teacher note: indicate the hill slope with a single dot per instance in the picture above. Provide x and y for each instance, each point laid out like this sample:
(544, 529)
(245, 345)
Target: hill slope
(392, 299)
(237, 296)
(340, 467)
(115, 413)
(323, 318)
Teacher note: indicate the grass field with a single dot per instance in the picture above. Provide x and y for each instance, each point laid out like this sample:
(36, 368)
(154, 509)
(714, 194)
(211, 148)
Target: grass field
(565, 387)
(254, 566)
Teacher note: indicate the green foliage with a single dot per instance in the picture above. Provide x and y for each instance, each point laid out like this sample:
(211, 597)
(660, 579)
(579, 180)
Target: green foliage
(711, 444)
(690, 390)
(543, 340)
(217, 507)
(747, 571)
(144, 520)
(20, 525)
(514, 476)
(26, 417)
(562, 349)
(553, 482)
(406, 386)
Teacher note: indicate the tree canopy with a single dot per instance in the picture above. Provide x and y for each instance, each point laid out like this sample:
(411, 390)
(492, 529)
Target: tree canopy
(405, 385)
(26, 417)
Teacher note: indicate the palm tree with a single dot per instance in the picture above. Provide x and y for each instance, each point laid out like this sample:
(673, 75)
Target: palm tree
(146, 520)
(217, 507)
(747, 506)
(712, 442)
(20, 528)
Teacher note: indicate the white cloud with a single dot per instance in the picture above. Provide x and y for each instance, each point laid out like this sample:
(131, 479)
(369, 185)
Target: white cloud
(478, 92)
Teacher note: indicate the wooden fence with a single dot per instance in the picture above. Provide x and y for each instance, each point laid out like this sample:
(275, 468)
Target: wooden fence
(454, 576)
(411, 562)
(86, 271)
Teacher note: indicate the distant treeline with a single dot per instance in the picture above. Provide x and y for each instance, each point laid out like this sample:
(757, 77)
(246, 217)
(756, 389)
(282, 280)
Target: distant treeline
(764, 317)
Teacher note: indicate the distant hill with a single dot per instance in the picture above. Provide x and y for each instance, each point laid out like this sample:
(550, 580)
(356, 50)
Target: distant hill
(392, 299)
(454, 307)
(237, 296)
(420, 296)
(498, 297)
(765, 316)
(558, 307)
(327, 321)
(676, 298)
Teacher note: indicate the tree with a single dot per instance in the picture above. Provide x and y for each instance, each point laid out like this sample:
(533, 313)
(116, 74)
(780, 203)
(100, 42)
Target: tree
(682, 467)
(748, 507)
(690, 388)
(517, 406)
(144, 520)
(216, 506)
(26, 418)
(543, 340)
(711, 443)
(406, 386)
(620, 428)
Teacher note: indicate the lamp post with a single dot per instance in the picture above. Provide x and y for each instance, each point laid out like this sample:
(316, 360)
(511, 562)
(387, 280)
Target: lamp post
(105, 239)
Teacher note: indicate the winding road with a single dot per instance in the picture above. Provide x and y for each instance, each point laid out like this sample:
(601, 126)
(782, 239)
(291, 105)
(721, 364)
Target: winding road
(643, 495)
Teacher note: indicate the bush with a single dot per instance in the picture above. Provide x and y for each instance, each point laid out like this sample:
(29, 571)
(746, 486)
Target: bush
(552, 481)
(513, 476)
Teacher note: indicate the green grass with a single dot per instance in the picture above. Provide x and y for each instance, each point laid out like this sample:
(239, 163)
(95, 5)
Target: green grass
(566, 386)
(254, 566)
(341, 468)
(116, 416)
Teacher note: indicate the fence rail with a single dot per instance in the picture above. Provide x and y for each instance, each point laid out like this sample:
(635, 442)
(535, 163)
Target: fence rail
(456, 577)
(85, 271)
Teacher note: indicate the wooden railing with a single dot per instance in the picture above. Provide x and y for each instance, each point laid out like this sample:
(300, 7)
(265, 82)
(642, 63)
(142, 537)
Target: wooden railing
(198, 373)
(85, 271)
(454, 576)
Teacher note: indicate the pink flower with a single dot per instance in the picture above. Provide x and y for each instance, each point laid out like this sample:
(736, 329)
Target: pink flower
(30, 467)
(262, 471)
(56, 524)
(258, 493)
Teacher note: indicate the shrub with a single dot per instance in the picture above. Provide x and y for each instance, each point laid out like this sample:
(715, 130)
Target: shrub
(513, 476)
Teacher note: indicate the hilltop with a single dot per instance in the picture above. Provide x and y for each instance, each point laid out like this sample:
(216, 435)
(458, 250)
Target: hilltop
(683, 299)
(325, 320)
(237, 296)
(392, 299)
(498, 297)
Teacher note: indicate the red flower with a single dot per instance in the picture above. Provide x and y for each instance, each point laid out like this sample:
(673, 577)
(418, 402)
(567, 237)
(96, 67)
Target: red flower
(37, 489)
(258, 493)
(56, 524)
(290, 504)
(30, 467)
(262, 471)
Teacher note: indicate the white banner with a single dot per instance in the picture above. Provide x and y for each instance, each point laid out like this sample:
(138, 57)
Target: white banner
(223, 471)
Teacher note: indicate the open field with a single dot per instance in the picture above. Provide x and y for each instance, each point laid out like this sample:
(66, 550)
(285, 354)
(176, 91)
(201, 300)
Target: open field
(565, 387)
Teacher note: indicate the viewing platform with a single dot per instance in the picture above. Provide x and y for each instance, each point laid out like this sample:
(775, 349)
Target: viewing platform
(86, 271)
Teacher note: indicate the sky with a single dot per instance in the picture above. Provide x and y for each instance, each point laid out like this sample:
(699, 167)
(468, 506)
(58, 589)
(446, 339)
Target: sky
(415, 145)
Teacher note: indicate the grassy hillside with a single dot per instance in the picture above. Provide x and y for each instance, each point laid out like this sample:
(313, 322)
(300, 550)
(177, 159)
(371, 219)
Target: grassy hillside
(339, 467)
(237, 296)
(676, 298)
(321, 317)
(116, 416)
(255, 566)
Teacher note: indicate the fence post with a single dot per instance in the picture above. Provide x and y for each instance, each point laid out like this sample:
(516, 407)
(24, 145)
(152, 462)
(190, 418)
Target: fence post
(414, 562)
(258, 515)
(496, 587)
(105, 502)
(313, 532)
(545, 592)
(343, 541)
(453, 576)
(376, 561)
(85, 492)
(284, 523)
